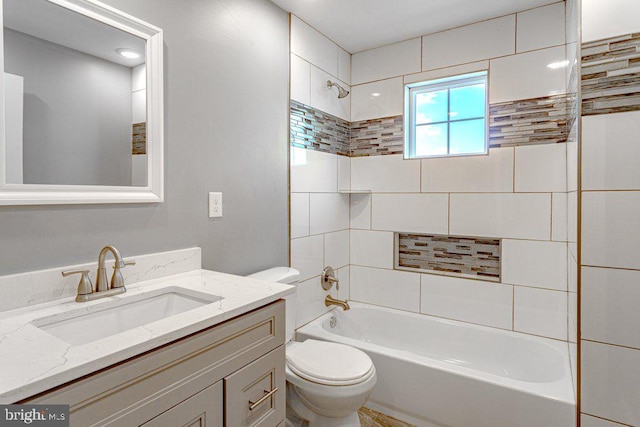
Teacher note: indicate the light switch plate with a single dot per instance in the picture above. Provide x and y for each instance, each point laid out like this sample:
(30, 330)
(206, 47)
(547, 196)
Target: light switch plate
(215, 205)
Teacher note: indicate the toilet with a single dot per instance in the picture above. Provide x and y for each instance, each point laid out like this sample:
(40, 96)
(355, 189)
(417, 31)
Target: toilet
(326, 382)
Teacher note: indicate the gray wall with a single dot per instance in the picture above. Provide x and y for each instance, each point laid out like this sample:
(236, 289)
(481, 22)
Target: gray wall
(77, 113)
(226, 129)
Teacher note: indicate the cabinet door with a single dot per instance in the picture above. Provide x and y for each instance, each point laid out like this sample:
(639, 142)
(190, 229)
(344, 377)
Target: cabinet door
(255, 394)
(203, 409)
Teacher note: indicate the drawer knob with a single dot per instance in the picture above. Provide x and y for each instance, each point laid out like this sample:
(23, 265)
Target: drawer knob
(254, 405)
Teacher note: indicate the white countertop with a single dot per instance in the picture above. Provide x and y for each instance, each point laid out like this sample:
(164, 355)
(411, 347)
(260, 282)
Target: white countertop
(33, 361)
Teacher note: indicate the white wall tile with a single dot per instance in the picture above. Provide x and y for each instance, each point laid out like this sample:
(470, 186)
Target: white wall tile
(572, 272)
(310, 301)
(307, 256)
(610, 378)
(311, 45)
(299, 215)
(573, 360)
(610, 229)
(535, 263)
(471, 174)
(300, 82)
(602, 19)
(610, 300)
(427, 213)
(360, 211)
(507, 74)
(572, 21)
(484, 40)
(572, 165)
(468, 300)
(328, 212)
(572, 321)
(344, 66)
(326, 99)
(588, 421)
(559, 217)
(517, 216)
(139, 77)
(540, 312)
(313, 171)
(343, 275)
(611, 151)
(385, 174)
(541, 168)
(139, 106)
(372, 248)
(388, 288)
(540, 27)
(388, 61)
(344, 173)
(447, 72)
(384, 98)
(336, 249)
(572, 216)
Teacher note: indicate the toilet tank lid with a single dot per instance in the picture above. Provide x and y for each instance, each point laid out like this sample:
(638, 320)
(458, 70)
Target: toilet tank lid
(286, 275)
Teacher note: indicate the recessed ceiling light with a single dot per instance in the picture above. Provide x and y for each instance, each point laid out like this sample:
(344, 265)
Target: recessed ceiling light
(128, 53)
(559, 64)
(375, 94)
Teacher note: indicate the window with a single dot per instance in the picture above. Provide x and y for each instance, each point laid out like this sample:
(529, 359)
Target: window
(446, 117)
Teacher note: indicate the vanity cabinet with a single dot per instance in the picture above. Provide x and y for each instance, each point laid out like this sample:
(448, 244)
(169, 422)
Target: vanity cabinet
(231, 374)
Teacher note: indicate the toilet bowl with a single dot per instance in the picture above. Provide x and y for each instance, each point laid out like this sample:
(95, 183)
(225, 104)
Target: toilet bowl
(326, 382)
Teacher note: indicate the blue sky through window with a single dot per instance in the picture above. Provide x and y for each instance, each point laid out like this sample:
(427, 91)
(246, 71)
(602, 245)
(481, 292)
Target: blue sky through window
(449, 120)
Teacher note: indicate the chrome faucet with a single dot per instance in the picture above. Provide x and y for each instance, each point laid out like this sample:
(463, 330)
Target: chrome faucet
(103, 288)
(329, 301)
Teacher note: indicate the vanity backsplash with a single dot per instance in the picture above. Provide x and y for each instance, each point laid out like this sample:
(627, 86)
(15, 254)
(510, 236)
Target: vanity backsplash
(36, 287)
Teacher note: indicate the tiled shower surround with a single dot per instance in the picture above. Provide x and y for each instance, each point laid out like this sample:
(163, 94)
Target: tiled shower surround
(466, 256)
(611, 75)
(523, 122)
(347, 211)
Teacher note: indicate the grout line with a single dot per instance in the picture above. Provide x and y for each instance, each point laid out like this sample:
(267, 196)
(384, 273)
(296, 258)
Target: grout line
(610, 344)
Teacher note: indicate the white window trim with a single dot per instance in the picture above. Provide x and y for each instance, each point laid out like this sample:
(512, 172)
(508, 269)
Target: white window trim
(434, 85)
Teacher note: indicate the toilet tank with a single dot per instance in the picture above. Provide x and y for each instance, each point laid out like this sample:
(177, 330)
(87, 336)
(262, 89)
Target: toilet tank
(288, 276)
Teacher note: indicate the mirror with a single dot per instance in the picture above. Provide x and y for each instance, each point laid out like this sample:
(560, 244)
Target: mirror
(82, 113)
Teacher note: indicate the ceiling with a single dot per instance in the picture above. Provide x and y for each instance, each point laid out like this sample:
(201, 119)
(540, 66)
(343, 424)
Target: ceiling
(48, 21)
(357, 25)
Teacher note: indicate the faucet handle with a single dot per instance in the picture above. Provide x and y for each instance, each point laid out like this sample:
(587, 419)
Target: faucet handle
(117, 281)
(328, 278)
(85, 287)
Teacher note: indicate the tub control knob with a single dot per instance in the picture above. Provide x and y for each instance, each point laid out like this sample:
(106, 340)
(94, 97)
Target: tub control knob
(328, 278)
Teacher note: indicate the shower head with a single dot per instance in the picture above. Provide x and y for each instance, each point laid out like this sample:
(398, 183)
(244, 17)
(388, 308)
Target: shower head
(342, 92)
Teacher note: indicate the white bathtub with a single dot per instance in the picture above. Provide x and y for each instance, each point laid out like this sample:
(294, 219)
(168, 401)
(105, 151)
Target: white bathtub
(437, 372)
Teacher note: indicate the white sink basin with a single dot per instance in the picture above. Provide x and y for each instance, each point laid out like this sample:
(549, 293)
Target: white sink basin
(99, 321)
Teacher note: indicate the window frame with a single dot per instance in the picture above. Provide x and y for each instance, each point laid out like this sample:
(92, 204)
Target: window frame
(452, 82)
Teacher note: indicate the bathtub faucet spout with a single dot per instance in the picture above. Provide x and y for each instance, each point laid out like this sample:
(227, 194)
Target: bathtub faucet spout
(329, 300)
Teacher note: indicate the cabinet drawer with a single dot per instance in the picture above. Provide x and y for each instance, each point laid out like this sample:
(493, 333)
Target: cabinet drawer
(250, 399)
(201, 410)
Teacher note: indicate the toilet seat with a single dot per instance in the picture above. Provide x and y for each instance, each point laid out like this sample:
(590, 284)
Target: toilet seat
(329, 363)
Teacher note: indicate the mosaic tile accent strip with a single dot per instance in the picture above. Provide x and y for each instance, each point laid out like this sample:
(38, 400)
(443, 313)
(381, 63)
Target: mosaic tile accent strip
(468, 256)
(528, 121)
(316, 130)
(139, 138)
(611, 75)
(377, 137)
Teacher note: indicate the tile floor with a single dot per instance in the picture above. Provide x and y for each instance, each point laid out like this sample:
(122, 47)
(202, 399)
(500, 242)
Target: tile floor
(371, 418)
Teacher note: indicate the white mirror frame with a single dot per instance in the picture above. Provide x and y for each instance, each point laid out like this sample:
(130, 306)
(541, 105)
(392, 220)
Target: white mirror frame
(36, 194)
